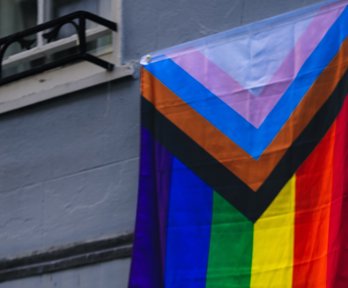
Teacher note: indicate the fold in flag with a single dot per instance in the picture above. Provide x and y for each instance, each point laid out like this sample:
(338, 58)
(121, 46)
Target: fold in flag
(244, 157)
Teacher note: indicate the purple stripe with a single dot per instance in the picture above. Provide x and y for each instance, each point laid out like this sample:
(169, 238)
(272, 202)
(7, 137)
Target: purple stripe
(256, 108)
(147, 269)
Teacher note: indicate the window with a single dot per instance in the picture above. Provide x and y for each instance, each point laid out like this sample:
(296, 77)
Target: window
(17, 15)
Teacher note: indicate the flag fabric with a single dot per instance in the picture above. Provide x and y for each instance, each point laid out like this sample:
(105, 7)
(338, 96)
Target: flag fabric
(244, 157)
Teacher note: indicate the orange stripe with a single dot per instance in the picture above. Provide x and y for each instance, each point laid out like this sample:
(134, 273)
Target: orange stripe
(312, 202)
(252, 172)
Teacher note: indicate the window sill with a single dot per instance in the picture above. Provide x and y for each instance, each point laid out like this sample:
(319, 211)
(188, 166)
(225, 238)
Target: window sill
(58, 82)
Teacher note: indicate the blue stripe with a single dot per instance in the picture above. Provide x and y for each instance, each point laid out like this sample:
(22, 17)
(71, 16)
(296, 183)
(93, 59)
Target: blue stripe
(254, 141)
(188, 233)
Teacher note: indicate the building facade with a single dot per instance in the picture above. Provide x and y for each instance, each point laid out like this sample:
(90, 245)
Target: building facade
(69, 147)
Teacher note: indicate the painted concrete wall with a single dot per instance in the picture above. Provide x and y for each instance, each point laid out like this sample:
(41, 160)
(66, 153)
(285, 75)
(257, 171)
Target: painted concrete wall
(68, 167)
(111, 274)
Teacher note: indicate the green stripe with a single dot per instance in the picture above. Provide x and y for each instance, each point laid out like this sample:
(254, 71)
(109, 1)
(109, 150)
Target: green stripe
(231, 244)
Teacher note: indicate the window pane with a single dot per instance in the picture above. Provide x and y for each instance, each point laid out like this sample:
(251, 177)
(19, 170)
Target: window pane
(15, 16)
(62, 7)
(99, 7)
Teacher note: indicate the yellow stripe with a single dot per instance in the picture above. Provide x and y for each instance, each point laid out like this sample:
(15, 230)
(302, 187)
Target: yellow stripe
(273, 242)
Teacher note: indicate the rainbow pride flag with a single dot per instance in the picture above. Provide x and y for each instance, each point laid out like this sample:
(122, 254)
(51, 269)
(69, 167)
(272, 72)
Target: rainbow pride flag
(244, 157)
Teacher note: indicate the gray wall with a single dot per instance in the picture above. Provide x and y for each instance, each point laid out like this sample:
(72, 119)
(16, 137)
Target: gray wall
(110, 274)
(68, 167)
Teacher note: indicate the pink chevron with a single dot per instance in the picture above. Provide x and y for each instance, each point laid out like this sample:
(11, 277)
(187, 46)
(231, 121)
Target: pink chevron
(251, 107)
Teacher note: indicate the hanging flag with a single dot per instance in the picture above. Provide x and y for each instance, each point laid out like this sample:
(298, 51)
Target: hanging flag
(244, 157)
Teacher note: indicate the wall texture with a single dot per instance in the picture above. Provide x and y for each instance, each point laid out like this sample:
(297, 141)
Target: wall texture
(68, 167)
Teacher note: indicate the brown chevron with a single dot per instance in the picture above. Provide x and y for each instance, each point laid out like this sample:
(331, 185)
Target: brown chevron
(250, 171)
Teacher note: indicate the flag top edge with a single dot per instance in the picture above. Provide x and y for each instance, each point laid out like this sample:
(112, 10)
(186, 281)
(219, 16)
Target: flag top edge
(234, 33)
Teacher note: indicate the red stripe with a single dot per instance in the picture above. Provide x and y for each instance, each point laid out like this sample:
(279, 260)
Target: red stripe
(338, 234)
(313, 196)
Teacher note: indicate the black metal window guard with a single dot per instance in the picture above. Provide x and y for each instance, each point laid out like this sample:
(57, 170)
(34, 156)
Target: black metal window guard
(78, 21)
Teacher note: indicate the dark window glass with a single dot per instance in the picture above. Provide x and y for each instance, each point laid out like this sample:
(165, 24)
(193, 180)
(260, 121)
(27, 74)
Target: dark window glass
(16, 15)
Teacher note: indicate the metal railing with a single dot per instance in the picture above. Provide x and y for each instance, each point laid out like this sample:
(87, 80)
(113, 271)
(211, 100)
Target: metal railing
(51, 31)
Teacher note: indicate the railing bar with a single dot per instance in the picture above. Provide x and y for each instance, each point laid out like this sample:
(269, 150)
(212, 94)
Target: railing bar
(100, 62)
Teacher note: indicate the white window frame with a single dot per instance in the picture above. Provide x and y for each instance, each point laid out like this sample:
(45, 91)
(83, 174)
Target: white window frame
(66, 79)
